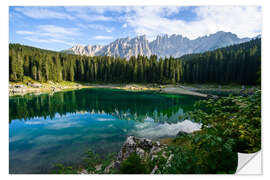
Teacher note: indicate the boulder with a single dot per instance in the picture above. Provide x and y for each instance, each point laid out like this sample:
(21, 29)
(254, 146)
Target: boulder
(36, 85)
(140, 152)
(168, 163)
(114, 164)
(108, 168)
(128, 147)
(155, 150)
(143, 147)
(145, 143)
(83, 171)
(54, 89)
(154, 157)
(19, 86)
(18, 90)
(98, 167)
(210, 96)
(154, 170)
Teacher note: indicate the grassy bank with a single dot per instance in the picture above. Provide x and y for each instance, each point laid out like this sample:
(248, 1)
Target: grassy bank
(188, 89)
(25, 87)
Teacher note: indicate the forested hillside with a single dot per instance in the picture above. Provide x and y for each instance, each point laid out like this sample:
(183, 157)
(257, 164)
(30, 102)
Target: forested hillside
(234, 64)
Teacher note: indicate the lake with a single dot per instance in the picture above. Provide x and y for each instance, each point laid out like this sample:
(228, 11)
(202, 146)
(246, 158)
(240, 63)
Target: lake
(60, 128)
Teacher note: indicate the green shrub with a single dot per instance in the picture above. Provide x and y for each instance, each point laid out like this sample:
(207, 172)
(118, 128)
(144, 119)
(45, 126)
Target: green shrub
(233, 117)
(91, 160)
(202, 154)
(61, 169)
(133, 165)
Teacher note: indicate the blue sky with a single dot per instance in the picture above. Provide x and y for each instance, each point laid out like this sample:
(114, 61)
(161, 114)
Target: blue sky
(59, 28)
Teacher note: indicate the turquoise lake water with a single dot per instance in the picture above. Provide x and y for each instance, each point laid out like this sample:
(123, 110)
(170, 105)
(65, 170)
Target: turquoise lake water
(48, 129)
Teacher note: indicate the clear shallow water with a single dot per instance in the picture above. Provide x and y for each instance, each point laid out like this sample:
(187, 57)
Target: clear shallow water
(60, 128)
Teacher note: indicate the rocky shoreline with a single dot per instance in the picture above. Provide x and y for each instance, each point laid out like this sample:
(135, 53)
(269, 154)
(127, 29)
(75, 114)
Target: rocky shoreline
(51, 87)
(146, 149)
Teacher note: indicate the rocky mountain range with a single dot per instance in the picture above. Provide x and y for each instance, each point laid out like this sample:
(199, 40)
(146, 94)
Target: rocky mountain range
(162, 46)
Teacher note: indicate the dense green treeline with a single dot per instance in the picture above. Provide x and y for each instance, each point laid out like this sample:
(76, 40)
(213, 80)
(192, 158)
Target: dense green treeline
(46, 65)
(234, 64)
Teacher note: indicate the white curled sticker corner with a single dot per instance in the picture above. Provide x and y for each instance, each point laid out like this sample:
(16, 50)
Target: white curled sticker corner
(249, 164)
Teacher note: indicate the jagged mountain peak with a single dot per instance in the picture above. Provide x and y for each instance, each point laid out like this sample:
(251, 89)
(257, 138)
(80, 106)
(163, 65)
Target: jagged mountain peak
(88, 50)
(163, 45)
(77, 46)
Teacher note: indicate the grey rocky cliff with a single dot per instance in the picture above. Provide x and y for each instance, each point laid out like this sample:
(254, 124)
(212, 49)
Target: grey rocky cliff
(177, 45)
(127, 47)
(85, 50)
(162, 46)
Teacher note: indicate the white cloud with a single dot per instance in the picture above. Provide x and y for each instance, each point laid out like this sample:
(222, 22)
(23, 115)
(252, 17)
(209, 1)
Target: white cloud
(91, 17)
(96, 9)
(103, 9)
(53, 31)
(103, 37)
(88, 13)
(24, 32)
(46, 40)
(151, 21)
(96, 27)
(43, 13)
(51, 34)
(245, 21)
(242, 20)
(101, 27)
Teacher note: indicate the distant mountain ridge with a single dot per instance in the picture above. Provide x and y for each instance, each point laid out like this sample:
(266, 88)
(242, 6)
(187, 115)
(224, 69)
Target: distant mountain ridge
(162, 46)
